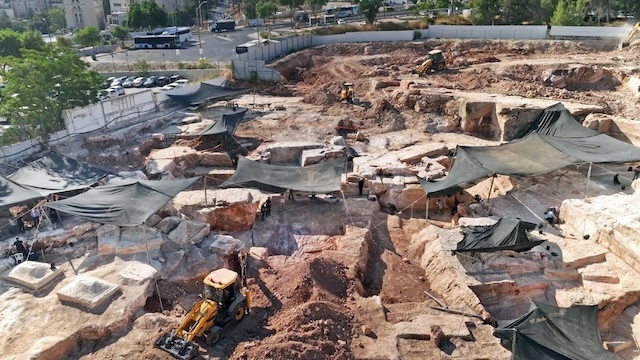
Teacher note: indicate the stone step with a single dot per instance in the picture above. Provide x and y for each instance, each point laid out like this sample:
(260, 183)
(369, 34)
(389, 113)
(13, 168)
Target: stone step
(582, 253)
(561, 274)
(531, 282)
(600, 272)
(616, 346)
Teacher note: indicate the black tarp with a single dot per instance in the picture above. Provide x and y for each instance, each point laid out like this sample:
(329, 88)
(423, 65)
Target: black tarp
(548, 332)
(14, 194)
(553, 141)
(506, 234)
(55, 173)
(126, 203)
(196, 94)
(227, 124)
(319, 178)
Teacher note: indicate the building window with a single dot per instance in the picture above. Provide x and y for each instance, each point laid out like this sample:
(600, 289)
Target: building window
(116, 5)
(80, 15)
(77, 20)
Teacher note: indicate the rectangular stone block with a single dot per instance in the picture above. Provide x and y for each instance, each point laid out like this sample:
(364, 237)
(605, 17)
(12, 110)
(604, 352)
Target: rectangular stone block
(108, 237)
(33, 275)
(88, 292)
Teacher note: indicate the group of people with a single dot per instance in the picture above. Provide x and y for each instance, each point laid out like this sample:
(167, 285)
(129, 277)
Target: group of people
(23, 249)
(17, 224)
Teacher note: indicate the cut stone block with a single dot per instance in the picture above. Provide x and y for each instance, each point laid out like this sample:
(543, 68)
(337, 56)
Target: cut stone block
(224, 245)
(168, 224)
(88, 292)
(136, 273)
(214, 159)
(33, 275)
(138, 239)
(259, 253)
(580, 255)
(562, 274)
(108, 237)
(601, 272)
(190, 232)
(571, 297)
(618, 345)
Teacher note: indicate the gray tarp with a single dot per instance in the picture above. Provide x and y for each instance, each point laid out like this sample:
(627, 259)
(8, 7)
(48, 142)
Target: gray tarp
(14, 194)
(55, 173)
(320, 178)
(554, 141)
(227, 124)
(548, 332)
(506, 234)
(196, 94)
(128, 203)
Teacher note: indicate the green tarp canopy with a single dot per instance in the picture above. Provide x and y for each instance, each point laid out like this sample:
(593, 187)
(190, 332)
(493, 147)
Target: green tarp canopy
(199, 93)
(56, 173)
(125, 203)
(12, 194)
(319, 178)
(506, 234)
(548, 332)
(553, 141)
(227, 124)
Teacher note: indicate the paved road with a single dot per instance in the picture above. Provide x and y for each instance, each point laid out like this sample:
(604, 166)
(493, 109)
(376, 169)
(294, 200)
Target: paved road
(215, 47)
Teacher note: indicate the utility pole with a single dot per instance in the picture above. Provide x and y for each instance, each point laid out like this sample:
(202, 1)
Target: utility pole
(198, 12)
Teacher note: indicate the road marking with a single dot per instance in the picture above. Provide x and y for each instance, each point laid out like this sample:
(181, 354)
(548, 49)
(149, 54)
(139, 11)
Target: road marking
(223, 38)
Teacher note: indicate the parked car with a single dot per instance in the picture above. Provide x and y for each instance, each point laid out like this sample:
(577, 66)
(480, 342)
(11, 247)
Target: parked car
(128, 82)
(138, 81)
(111, 93)
(163, 80)
(118, 81)
(151, 82)
(102, 95)
(341, 22)
(110, 79)
(182, 82)
(174, 78)
(118, 89)
(169, 87)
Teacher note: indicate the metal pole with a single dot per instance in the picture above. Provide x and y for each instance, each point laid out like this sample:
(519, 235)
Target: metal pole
(206, 203)
(489, 197)
(586, 192)
(426, 217)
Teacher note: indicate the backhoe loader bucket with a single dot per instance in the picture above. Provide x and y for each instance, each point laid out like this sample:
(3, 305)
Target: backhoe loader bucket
(177, 347)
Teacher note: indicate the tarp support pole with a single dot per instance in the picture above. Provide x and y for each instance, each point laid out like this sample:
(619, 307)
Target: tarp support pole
(489, 196)
(346, 207)
(146, 245)
(586, 192)
(206, 203)
(426, 217)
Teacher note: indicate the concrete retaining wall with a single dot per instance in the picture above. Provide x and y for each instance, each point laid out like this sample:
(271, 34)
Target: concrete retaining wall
(244, 70)
(589, 32)
(277, 49)
(193, 75)
(364, 36)
(521, 32)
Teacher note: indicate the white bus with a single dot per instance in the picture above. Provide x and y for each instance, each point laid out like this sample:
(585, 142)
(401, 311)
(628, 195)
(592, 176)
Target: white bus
(183, 33)
(156, 42)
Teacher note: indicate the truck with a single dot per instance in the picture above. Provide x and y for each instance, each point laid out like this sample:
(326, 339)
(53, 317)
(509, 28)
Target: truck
(228, 25)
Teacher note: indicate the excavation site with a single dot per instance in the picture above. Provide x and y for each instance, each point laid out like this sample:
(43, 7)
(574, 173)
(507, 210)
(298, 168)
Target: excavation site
(440, 199)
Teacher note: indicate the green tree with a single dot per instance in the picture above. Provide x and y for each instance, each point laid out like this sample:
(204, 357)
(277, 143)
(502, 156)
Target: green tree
(155, 15)
(517, 11)
(10, 43)
(265, 10)
(316, 5)
(485, 11)
(135, 17)
(292, 5)
(56, 19)
(5, 21)
(88, 36)
(32, 40)
(63, 43)
(39, 87)
(120, 33)
(369, 9)
(569, 13)
(249, 9)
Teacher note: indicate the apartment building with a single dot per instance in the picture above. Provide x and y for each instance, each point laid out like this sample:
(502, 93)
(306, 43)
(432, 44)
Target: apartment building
(81, 13)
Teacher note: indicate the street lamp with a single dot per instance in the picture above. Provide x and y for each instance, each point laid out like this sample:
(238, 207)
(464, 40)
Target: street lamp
(126, 54)
(48, 32)
(199, 30)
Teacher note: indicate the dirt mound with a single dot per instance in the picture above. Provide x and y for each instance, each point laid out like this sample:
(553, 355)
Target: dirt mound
(578, 78)
(384, 115)
(314, 330)
(325, 95)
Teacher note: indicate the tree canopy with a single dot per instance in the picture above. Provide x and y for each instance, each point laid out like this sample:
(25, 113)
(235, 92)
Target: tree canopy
(88, 36)
(120, 33)
(56, 19)
(12, 41)
(39, 86)
(316, 5)
(265, 10)
(146, 15)
(369, 9)
(569, 12)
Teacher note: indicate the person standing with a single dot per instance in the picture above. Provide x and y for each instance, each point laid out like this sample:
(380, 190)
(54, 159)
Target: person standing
(616, 179)
(282, 203)
(13, 226)
(291, 195)
(20, 223)
(35, 215)
(20, 247)
(263, 210)
(636, 172)
(360, 186)
(268, 204)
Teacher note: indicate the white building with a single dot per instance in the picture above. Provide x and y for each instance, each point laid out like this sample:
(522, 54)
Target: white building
(81, 13)
(22, 8)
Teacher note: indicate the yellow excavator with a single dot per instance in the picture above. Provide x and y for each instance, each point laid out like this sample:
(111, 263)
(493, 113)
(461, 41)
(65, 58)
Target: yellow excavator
(632, 33)
(346, 95)
(226, 300)
(435, 62)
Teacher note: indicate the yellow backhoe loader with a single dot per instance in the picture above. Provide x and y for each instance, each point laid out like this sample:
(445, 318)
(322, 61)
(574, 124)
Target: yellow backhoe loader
(632, 33)
(226, 300)
(346, 95)
(435, 62)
